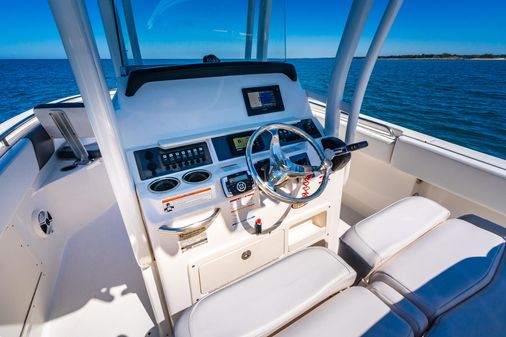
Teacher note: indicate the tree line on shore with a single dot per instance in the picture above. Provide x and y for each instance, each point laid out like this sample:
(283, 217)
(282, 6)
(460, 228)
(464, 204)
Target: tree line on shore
(444, 56)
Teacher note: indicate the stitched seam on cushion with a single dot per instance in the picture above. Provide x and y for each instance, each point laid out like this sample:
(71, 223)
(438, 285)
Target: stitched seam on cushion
(325, 288)
(397, 309)
(384, 209)
(412, 243)
(355, 230)
(304, 306)
(445, 314)
(336, 257)
(381, 259)
(380, 211)
(493, 266)
(422, 302)
(403, 290)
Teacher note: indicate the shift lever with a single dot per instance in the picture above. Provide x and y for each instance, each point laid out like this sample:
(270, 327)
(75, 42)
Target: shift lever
(349, 148)
(339, 152)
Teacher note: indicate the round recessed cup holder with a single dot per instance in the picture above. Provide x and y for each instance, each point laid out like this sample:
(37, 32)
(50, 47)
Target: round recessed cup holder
(163, 185)
(197, 176)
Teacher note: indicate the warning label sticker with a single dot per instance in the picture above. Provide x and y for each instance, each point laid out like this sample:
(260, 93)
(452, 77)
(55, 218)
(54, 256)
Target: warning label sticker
(242, 206)
(186, 200)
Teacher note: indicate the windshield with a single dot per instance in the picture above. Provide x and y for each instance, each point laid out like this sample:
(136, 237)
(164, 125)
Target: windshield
(193, 31)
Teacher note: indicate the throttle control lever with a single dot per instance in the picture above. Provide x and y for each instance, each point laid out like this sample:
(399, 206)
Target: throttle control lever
(339, 152)
(349, 148)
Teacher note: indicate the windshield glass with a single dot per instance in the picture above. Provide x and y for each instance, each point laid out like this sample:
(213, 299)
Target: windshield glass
(186, 31)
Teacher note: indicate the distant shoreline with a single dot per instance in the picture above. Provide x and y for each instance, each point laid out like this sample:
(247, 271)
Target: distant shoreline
(445, 56)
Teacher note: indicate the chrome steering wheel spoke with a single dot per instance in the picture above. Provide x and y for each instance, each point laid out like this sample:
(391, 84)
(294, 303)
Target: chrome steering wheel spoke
(283, 169)
(277, 157)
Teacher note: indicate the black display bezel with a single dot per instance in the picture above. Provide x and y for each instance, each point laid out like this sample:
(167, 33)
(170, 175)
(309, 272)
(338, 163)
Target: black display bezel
(263, 110)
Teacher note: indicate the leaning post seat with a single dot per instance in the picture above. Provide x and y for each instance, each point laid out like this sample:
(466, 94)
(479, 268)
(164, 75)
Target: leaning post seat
(484, 314)
(265, 301)
(443, 273)
(444, 267)
(372, 241)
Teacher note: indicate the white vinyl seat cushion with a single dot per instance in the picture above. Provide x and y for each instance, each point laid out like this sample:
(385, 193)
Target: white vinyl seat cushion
(352, 313)
(484, 314)
(401, 306)
(375, 239)
(444, 267)
(263, 302)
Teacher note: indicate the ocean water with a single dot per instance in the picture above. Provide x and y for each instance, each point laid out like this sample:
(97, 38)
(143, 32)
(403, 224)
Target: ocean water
(460, 101)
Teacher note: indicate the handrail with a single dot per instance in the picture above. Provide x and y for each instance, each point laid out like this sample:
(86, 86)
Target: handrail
(202, 224)
(10, 136)
(355, 23)
(80, 46)
(391, 131)
(370, 60)
(4, 135)
(357, 17)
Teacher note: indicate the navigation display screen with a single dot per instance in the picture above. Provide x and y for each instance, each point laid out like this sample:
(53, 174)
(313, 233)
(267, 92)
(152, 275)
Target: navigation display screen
(263, 100)
(240, 143)
(259, 99)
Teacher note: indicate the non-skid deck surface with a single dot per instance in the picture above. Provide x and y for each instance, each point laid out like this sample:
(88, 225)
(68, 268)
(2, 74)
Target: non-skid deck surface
(100, 290)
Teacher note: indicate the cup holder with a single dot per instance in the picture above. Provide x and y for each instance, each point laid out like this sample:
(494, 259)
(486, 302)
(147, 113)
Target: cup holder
(198, 176)
(163, 185)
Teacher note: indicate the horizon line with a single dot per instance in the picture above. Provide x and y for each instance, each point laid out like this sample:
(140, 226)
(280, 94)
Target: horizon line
(421, 55)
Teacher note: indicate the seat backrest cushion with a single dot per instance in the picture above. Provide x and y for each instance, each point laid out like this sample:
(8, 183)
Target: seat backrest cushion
(444, 267)
(484, 314)
(377, 238)
(401, 306)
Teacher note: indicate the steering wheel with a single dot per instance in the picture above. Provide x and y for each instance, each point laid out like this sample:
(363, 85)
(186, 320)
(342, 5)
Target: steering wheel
(283, 169)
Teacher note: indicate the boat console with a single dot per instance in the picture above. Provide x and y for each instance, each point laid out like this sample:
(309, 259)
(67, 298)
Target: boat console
(232, 155)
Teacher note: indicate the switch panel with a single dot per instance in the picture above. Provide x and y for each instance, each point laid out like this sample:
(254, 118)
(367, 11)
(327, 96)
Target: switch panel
(156, 162)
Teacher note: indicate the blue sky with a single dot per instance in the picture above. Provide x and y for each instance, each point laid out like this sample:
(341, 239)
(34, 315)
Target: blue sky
(313, 28)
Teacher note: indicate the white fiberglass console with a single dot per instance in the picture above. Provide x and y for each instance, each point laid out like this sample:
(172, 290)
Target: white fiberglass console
(185, 131)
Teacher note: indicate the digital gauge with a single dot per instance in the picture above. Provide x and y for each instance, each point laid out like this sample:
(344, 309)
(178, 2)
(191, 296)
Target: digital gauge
(238, 142)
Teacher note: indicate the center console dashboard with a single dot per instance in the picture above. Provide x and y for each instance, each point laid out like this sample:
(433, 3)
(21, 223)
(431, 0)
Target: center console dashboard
(185, 132)
(154, 162)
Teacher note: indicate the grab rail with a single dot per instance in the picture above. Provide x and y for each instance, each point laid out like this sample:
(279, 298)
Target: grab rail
(394, 133)
(4, 135)
(202, 224)
(5, 142)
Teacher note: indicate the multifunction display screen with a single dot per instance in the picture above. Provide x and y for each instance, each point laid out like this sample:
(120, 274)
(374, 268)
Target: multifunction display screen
(240, 143)
(263, 100)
